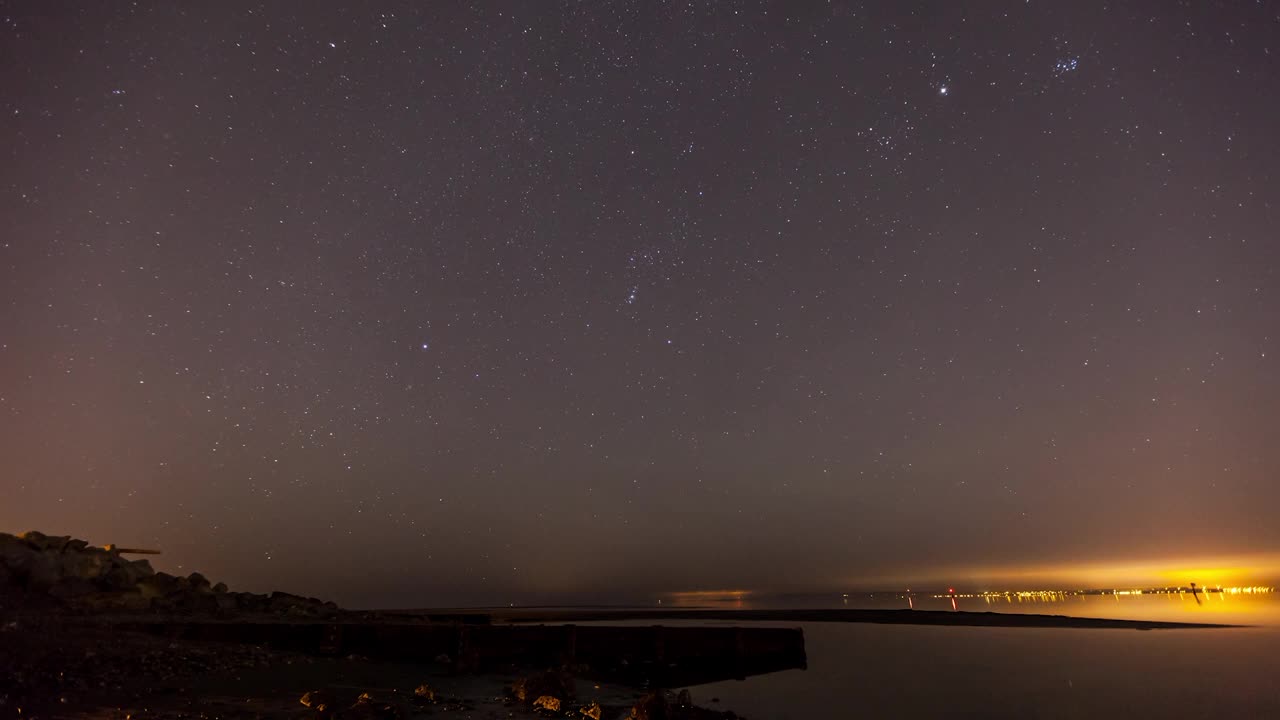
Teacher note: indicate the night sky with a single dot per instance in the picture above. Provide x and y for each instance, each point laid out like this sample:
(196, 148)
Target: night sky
(441, 303)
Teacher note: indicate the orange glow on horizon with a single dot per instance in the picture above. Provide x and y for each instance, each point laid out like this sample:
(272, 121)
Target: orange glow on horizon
(707, 594)
(1239, 570)
(707, 597)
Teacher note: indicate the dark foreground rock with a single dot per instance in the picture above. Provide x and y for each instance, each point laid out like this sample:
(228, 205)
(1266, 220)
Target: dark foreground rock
(659, 705)
(556, 684)
(53, 666)
(59, 570)
(86, 632)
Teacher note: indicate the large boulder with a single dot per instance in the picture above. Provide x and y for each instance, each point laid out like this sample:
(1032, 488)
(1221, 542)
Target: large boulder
(318, 700)
(85, 565)
(35, 539)
(72, 587)
(652, 706)
(45, 543)
(17, 556)
(553, 683)
(129, 576)
(366, 708)
(161, 584)
(199, 583)
(251, 602)
(113, 601)
(198, 602)
(288, 603)
(43, 572)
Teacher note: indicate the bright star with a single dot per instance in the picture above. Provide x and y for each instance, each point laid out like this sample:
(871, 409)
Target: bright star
(942, 90)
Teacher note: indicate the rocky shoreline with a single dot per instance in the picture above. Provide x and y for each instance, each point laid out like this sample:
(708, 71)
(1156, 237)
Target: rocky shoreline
(82, 577)
(68, 650)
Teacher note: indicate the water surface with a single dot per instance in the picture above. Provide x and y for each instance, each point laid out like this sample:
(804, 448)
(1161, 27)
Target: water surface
(865, 670)
(868, 670)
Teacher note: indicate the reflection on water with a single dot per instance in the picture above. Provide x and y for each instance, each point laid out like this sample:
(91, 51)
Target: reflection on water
(1235, 605)
(867, 670)
(870, 670)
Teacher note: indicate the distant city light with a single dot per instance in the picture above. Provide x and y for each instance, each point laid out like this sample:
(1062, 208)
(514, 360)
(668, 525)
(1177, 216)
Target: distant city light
(1051, 595)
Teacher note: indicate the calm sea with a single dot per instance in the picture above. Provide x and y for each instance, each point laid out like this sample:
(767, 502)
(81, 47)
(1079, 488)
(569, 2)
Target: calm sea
(892, 671)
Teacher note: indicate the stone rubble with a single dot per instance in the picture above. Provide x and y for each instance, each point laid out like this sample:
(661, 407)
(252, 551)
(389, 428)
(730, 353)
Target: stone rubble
(50, 662)
(80, 576)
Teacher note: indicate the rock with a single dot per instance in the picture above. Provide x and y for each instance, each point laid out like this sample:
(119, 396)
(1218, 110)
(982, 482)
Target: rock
(282, 602)
(250, 602)
(424, 693)
(43, 572)
(84, 565)
(592, 711)
(17, 556)
(130, 575)
(45, 543)
(556, 684)
(205, 602)
(220, 587)
(366, 708)
(117, 601)
(548, 703)
(299, 611)
(684, 698)
(160, 584)
(199, 583)
(317, 700)
(119, 579)
(72, 587)
(653, 706)
(34, 538)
